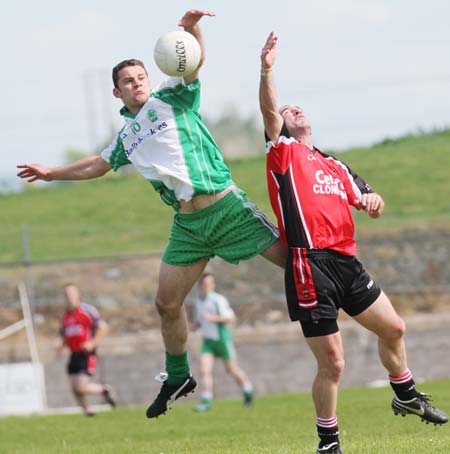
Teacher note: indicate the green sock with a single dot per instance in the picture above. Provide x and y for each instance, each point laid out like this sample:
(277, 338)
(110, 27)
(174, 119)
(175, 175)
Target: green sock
(177, 368)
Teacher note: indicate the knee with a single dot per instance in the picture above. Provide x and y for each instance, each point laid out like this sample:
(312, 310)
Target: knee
(231, 370)
(395, 331)
(205, 371)
(166, 306)
(78, 390)
(337, 369)
(333, 368)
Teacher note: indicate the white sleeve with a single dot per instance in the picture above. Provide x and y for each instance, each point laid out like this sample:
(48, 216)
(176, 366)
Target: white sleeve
(223, 307)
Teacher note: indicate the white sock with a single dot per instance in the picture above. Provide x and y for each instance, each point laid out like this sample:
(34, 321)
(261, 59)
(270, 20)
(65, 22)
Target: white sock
(207, 395)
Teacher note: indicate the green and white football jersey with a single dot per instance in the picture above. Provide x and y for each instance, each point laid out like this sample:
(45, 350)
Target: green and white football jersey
(217, 304)
(168, 143)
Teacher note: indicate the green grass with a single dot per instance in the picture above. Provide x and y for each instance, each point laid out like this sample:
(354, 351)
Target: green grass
(276, 425)
(121, 214)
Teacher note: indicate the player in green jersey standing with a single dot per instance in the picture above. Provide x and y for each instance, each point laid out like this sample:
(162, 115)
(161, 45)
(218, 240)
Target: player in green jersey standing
(213, 314)
(167, 142)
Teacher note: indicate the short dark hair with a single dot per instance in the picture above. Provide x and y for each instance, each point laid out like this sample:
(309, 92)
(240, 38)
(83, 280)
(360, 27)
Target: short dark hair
(124, 64)
(204, 276)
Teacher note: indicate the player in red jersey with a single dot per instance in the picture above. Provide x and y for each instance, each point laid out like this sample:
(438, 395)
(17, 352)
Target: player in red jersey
(81, 330)
(311, 194)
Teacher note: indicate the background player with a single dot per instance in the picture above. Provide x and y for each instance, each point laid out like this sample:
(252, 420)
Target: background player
(82, 329)
(212, 315)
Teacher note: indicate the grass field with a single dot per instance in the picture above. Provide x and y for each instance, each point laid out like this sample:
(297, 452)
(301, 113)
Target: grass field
(275, 425)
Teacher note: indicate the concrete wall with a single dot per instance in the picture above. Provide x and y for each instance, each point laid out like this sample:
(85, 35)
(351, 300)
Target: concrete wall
(275, 357)
(412, 267)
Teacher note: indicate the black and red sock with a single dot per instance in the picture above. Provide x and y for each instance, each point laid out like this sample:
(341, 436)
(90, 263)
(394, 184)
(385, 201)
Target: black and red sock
(327, 429)
(404, 386)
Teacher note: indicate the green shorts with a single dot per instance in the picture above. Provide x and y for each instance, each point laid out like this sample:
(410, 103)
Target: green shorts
(233, 228)
(223, 349)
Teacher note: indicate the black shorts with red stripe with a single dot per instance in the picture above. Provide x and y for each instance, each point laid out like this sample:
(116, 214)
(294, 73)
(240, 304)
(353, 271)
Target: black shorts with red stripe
(319, 282)
(82, 363)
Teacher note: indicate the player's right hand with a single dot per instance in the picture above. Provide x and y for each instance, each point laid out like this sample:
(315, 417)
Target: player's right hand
(33, 172)
(268, 53)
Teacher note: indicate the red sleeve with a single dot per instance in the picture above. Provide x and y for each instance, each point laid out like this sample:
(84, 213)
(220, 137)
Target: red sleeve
(354, 185)
(279, 153)
(93, 314)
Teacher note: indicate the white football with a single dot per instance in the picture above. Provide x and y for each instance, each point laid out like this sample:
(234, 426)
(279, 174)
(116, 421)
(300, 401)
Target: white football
(177, 53)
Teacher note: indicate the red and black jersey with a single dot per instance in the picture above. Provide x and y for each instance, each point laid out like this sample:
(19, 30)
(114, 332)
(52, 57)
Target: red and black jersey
(311, 194)
(78, 326)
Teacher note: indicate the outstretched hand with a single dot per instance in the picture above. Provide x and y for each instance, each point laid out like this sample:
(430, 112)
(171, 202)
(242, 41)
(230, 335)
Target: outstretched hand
(269, 51)
(33, 172)
(192, 16)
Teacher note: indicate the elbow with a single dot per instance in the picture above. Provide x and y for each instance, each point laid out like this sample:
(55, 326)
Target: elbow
(103, 172)
(201, 62)
(103, 328)
(100, 168)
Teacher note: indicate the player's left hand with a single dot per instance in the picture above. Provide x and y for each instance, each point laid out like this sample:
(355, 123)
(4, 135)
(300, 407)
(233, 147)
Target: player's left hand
(372, 204)
(88, 346)
(210, 317)
(192, 16)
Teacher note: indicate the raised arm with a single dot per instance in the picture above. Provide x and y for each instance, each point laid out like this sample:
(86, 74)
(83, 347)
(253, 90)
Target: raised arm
(273, 122)
(190, 24)
(84, 169)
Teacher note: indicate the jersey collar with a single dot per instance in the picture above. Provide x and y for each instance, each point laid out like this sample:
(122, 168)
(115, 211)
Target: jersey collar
(127, 114)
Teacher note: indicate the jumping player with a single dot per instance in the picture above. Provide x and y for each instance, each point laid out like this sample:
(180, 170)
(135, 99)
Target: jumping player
(311, 194)
(165, 139)
(81, 331)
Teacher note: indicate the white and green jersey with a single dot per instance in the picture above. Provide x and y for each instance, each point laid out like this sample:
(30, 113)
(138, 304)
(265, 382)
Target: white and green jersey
(168, 143)
(216, 304)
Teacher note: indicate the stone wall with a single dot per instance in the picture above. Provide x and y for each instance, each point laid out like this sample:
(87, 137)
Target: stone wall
(412, 267)
(275, 357)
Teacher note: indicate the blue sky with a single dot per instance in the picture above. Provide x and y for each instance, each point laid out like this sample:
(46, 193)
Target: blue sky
(363, 70)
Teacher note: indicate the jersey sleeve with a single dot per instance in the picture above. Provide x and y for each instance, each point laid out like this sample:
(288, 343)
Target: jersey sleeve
(223, 307)
(354, 185)
(114, 154)
(93, 313)
(279, 154)
(177, 93)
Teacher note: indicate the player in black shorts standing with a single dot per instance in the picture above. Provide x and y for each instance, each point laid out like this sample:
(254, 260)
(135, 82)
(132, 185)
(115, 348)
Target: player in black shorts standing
(311, 194)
